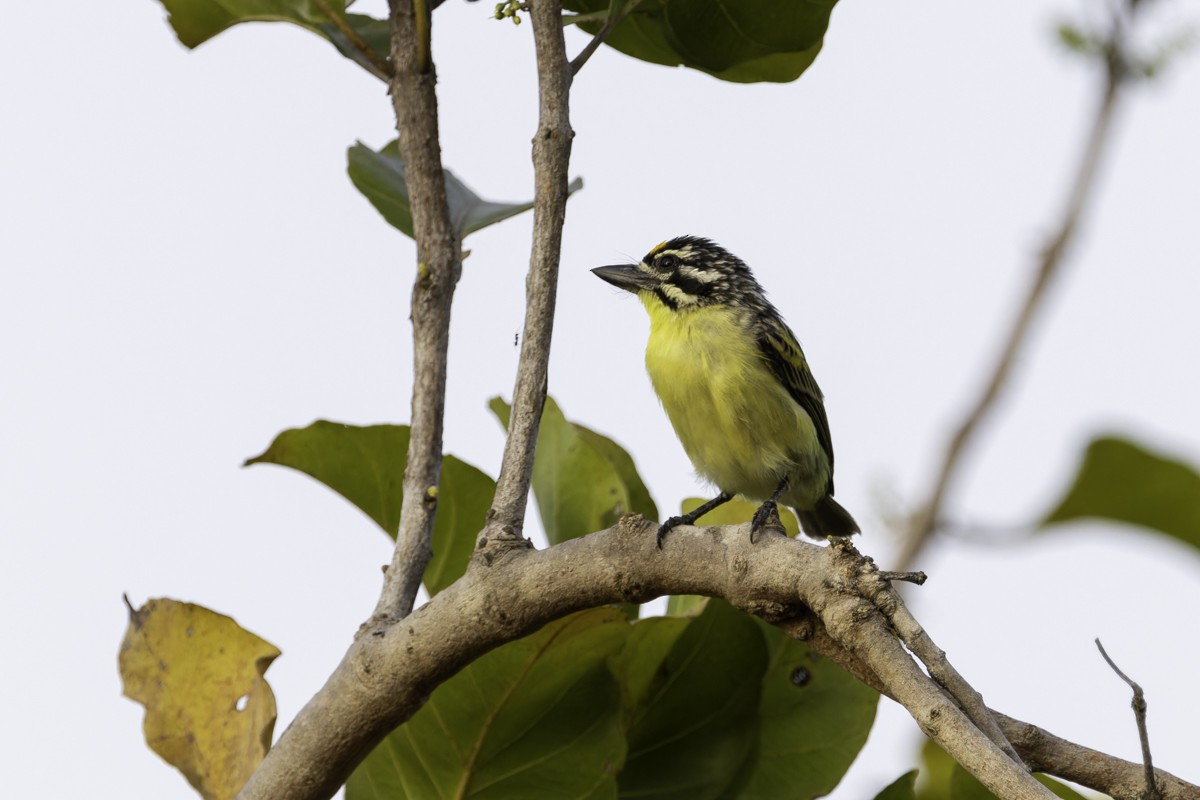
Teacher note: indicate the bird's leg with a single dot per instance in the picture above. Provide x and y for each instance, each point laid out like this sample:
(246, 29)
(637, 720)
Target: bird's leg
(691, 516)
(767, 510)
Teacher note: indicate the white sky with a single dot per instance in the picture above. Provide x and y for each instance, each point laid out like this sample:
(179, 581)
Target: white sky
(187, 271)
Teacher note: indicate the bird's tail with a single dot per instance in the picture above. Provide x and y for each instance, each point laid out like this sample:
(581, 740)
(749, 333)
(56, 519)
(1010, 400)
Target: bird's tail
(826, 518)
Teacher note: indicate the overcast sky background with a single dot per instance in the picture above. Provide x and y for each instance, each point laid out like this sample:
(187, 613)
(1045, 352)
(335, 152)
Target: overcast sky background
(187, 271)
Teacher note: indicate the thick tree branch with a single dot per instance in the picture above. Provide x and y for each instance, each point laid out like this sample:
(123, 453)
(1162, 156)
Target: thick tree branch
(551, 156)
(439, 265)
(511, 589)
(926, 520)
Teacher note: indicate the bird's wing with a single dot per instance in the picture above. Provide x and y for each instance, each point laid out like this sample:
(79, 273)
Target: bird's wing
(782, 352)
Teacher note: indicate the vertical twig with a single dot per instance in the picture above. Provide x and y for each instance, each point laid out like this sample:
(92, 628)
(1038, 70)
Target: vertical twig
(438, 268)
(1139, 713)
(926, 521)
(551, 156)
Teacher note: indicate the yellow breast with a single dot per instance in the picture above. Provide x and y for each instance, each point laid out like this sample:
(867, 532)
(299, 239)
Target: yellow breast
(740, 427)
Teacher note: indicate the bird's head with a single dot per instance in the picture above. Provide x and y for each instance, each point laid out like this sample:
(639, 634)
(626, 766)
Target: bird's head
(687, 272)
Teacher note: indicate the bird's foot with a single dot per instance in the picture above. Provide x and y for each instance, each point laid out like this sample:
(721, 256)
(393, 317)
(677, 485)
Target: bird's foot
(767, 516)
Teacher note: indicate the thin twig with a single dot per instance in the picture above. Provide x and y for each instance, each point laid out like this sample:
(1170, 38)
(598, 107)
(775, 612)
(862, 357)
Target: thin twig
(439, 266)
(613, 19)
(1038, 748)
(383, 67)
(918, 578)
(1139, 713)
(926, 521)
(551, 157)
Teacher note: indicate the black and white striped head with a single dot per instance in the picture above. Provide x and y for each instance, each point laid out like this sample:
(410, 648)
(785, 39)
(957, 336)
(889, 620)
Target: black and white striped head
(689, 272)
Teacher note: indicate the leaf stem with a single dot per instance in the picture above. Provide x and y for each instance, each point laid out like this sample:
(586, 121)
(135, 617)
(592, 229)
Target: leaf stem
(383, 67)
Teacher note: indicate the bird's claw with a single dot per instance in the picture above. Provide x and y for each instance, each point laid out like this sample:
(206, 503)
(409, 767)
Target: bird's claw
(666, 527)
(767, 515)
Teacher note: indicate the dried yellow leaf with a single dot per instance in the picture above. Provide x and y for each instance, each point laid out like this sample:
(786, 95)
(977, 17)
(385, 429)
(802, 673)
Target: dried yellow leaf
(209, 711)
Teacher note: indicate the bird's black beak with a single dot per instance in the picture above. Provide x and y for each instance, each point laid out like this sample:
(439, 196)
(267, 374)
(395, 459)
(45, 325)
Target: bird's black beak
(625, 276)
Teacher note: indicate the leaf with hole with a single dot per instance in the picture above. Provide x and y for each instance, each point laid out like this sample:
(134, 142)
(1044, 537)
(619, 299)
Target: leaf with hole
(813, 719)
(209, 710)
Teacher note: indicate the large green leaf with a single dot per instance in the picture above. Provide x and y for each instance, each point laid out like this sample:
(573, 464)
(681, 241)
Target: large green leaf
(813, 719)
(1122, 481)
(366, 466)
(539, 717)
(737, 511)
(694, 704)
(901, 788)
(743, 41)
(583, 481)
(197, 21)
(380, 178)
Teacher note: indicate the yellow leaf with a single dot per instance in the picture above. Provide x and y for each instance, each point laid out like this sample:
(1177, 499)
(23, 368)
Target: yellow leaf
(209, 711)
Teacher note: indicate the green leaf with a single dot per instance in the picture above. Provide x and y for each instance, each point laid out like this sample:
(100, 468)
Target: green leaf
(379, 176)
(583, 481)
(693, 719)
(197, 21)
(737, 511)
(685, 605)
(746, 41)
(539, 717)
(813, 719)
(1122, 481)
(365, 465)
(901, 788)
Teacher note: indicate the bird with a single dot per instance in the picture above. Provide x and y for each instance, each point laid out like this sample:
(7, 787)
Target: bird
(735, 384)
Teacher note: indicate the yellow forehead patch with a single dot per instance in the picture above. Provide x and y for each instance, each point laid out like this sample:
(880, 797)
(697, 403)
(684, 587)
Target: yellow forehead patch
(654, 250)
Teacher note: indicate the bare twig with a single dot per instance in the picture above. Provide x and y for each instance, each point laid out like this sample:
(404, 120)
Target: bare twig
(438, 270)
(926, 521)
(1139, 713)
(382, 67)
(918, 578)
(1040, 749)
(613, 19)
(551, 156)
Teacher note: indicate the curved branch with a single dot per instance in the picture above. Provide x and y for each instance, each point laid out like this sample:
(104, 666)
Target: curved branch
(439, 265)
(511, 590)
(551, 156)
(926, 521)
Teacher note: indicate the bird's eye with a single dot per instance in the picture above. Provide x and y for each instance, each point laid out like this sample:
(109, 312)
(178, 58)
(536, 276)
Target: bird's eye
(668, 262)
